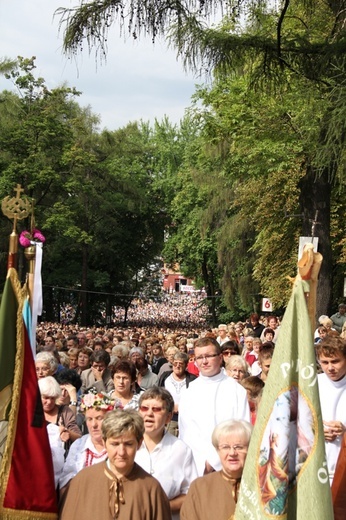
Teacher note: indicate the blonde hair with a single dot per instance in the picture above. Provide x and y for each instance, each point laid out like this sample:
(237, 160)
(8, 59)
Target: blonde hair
(120, 422)
(239, 427)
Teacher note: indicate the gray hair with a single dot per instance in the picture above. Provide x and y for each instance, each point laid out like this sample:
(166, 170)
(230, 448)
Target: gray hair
(240, 427)
(136, 350)
(181, 356)
(120, 422)
(49, 359)
(121, 351)
(49, 386)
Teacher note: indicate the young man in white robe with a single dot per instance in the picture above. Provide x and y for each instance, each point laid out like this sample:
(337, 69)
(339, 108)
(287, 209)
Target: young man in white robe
(212, 398)
(331, 353)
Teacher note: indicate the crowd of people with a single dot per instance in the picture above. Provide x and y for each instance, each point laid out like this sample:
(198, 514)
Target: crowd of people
(125, 405)
(174, 310)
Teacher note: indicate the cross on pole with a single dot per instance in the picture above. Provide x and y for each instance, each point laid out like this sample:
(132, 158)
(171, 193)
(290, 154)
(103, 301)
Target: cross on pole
(18, 191)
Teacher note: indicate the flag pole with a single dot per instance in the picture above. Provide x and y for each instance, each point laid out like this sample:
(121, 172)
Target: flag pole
(27, 490)
(309, 266)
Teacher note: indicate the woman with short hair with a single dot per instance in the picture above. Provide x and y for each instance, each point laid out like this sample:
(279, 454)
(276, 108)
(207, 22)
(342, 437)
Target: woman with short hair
(117, 488)
(124, 378)
(237, 368)
(73, 357)
(231, 440)
(61, 422)
(161, 454)
(177, 381)
(46, 364)
(83, 359)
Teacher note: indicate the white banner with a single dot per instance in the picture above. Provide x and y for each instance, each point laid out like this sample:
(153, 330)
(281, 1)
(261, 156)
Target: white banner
(267, 305)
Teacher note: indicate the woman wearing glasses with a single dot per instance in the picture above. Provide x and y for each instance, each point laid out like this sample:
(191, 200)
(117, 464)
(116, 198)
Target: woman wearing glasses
(176, 381)
(161, 454)
(231, 440)
(237, 368)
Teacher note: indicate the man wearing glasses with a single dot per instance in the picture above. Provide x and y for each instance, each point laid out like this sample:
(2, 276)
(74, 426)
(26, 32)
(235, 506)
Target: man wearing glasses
(212, 398)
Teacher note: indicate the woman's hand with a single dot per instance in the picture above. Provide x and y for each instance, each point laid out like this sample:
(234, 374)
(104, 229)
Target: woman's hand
(64, 433)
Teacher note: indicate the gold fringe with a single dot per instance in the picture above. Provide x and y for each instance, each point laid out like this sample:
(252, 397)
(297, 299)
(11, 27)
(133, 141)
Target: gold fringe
(11, 514)
(5, 513)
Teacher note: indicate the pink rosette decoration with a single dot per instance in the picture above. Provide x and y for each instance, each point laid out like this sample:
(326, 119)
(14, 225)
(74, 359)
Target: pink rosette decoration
(88, 401)
(24, 239)
(37, 236)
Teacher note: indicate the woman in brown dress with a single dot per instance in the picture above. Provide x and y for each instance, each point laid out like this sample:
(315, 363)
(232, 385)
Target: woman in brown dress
(231, 440)
(117, 488)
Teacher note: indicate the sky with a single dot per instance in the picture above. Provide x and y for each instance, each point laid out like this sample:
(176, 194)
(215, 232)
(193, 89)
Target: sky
(139, 80)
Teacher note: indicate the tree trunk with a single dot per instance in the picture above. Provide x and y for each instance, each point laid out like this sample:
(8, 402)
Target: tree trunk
(315, 200)
(108, 311)
(84, 295)
(208, 278)
(48, 304)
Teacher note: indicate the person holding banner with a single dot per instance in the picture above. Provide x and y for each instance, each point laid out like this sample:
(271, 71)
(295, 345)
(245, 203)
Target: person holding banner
(215, 495)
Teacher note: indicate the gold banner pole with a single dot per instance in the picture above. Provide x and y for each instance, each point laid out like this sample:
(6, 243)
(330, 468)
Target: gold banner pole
(15, 208)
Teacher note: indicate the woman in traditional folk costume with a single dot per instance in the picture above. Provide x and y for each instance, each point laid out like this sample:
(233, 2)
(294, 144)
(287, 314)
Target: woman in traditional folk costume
(215, 495)
(118, 488)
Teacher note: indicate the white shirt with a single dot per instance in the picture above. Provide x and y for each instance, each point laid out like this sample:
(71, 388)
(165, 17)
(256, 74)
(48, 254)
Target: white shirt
(333, 408)
(57, 449)
(175, 388)
(76, 458)
(255, 369)
(207, 402)
(221, 341)
(171, 463)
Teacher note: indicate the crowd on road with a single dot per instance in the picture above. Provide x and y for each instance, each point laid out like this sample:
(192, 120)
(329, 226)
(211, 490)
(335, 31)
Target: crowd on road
(123, 405)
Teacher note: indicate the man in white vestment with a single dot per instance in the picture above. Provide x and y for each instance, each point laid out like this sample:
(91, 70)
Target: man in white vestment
(213, 397)
(331, 353)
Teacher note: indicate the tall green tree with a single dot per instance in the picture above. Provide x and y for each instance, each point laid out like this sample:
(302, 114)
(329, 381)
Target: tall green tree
(94, 195)
(289, 42)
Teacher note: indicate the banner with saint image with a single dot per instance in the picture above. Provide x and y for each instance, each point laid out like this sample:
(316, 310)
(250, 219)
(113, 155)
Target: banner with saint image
(285, 473)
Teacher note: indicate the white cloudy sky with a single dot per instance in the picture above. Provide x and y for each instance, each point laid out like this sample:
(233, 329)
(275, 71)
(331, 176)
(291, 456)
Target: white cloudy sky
(139, 80)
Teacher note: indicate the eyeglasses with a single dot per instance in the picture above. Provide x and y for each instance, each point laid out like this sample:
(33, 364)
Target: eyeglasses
(206, 356)
(236, 448)
(177, 364)
(226, 353)
(154, 409)
(122, 378)
(237, 370)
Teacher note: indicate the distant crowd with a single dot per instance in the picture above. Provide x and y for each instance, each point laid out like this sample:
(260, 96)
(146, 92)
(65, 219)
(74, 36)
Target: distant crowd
(169, 310)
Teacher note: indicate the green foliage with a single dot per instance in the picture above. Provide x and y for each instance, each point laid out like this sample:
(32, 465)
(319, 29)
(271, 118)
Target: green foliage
(95, 196)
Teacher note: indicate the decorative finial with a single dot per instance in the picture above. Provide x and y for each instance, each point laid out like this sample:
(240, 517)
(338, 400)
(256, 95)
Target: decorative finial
(15, 208)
